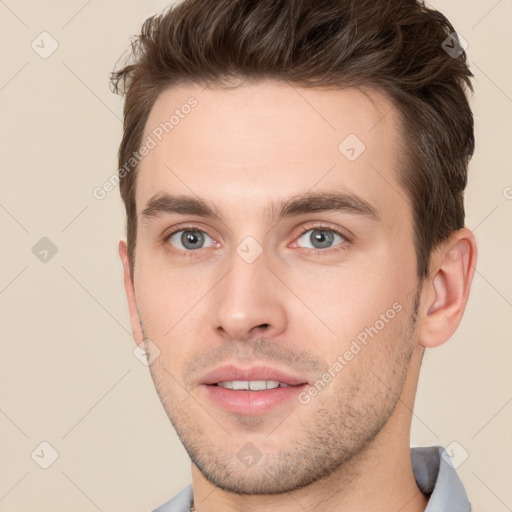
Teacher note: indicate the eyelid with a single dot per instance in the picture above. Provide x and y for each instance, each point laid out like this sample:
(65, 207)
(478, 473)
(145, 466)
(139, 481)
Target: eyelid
(322, 226)
(183, 227)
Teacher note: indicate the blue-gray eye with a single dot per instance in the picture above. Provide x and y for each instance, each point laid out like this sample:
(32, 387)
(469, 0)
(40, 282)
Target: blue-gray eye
(189, 239)
(321, 238)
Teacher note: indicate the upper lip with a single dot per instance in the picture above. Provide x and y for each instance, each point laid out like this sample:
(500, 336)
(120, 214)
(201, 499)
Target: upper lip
(232, 372)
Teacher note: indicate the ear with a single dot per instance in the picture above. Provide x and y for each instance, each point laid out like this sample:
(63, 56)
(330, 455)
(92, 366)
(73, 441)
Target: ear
(137, 334)
(446, 290)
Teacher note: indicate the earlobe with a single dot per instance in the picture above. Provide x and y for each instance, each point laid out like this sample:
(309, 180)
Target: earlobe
(446, 290)
(130, 293)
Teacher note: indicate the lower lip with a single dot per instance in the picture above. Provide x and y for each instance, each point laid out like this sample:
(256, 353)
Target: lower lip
(252, 402)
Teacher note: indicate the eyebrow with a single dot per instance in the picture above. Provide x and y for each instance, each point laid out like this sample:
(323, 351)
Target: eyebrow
(164, 204)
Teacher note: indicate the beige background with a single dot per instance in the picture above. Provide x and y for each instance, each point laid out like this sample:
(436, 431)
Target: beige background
(68, 375)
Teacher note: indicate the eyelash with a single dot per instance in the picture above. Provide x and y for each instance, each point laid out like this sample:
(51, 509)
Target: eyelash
(315, 252)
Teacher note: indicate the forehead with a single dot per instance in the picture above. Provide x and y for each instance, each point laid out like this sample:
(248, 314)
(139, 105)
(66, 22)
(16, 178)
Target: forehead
(251, 142)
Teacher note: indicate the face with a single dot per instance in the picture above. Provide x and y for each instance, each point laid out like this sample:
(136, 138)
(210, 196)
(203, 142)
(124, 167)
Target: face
(275, 277)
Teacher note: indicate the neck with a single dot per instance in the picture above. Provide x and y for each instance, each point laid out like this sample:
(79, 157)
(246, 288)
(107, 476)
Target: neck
(380, 476)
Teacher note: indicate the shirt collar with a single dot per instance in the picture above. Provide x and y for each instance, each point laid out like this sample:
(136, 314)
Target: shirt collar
(437, 478)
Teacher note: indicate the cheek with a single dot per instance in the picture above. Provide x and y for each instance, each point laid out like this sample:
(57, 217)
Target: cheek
(349, 299)
(369, 368)
(171, 310)
(166, 297)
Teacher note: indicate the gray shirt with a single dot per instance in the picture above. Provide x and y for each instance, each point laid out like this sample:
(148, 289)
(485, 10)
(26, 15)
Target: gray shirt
(434, 475)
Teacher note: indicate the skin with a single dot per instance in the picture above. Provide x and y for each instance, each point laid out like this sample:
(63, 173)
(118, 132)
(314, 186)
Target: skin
(296, 306)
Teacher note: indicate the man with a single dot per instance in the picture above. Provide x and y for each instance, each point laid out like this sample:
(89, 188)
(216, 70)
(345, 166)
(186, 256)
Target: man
(293, 176)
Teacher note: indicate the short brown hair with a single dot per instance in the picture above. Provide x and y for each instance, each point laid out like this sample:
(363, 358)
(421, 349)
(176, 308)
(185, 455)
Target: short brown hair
(394, 46)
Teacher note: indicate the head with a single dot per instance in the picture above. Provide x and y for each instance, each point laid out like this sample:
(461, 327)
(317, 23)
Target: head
(297, 206)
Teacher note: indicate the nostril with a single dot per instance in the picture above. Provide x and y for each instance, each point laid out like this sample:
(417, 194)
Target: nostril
(259, 330)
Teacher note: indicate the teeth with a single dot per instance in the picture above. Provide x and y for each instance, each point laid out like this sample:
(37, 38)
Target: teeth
(253, 385)
(258, 385)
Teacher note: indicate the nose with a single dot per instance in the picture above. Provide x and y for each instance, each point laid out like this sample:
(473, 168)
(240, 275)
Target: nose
(249, 301)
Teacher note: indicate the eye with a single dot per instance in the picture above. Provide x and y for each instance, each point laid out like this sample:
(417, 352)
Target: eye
(321, 237)
(189, 239)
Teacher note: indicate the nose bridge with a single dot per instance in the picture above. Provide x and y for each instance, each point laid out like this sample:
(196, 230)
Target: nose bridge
(246, 298)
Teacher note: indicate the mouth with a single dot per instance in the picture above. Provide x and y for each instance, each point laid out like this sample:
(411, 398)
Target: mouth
(251, 385)
(251, 391)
